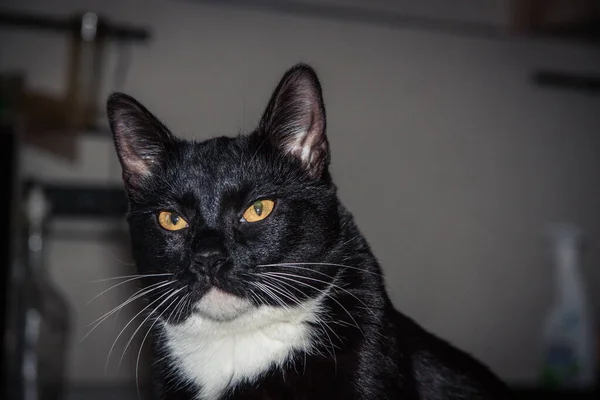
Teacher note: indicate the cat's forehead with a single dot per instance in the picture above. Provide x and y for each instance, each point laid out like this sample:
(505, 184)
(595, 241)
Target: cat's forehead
(224, 168)
(219, 165)
(214, 154)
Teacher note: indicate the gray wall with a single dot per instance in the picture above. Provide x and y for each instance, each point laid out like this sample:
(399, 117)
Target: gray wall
(451, 160)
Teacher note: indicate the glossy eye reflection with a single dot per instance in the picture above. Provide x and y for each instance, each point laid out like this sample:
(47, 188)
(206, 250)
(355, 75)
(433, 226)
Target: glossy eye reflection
(171, 221)
(259, 210)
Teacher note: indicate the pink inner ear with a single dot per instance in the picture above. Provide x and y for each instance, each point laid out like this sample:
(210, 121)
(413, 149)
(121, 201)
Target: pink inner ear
(133, 163)
(303, 145)
(307, 142)
(295, 119)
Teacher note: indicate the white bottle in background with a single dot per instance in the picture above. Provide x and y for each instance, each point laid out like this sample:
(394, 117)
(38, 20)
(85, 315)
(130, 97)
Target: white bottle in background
(569, 348)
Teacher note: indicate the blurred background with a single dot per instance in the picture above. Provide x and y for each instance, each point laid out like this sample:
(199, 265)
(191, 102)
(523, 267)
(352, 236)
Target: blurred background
(459, 129)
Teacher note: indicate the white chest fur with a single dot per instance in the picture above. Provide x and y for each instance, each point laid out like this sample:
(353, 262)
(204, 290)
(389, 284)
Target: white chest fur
(216, 355)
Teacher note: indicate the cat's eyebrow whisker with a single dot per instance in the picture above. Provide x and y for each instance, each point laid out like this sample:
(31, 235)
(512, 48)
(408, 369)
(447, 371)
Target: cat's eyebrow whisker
(257, 149)
(291, 265)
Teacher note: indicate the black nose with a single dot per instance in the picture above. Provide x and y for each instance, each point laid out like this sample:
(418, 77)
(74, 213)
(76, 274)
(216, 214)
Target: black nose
(208, 262)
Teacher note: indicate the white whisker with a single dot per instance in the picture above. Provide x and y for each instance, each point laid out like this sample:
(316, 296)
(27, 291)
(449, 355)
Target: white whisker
(178, 308)
(129, 323)
(327, 283)
(145, 291)
(291, 265)
(114, 286)
(117, 259)
(127, 276)
(319, 320)
(268, 292)
(137, 362)
(259, 300)
(320, 291)
(294, 299)
(143, 322)
(99, 321)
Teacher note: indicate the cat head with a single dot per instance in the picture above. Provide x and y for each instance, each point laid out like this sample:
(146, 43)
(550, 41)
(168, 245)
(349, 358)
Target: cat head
(231, 223)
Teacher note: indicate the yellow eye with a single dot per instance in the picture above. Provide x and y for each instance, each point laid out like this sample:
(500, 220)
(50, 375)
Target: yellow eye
(259, 210)
(171, 221)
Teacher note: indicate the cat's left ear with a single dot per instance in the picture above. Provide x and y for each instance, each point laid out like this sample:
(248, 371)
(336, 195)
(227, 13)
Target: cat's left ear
(295, 119)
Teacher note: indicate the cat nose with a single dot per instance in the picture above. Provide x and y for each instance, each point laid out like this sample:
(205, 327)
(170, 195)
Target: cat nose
(209, 261)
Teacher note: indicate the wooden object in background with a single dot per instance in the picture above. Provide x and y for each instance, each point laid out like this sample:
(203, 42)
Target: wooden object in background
(52, 122)
(567, 19)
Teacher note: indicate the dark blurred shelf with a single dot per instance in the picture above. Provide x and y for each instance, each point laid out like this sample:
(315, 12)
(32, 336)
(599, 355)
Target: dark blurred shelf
(563, 80)
(71, 24)
(531, 394)
(585, 33)
(108, 392)
(128, 392)
(84, 200)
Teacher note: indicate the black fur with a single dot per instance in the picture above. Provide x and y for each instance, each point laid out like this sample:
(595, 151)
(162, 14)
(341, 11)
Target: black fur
(369, 350)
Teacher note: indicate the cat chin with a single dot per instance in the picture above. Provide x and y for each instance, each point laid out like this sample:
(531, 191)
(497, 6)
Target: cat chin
(218, 354)
(221, 306)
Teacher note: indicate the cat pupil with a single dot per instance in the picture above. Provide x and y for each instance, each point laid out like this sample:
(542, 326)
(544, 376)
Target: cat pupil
(258, 208)
(174, 219)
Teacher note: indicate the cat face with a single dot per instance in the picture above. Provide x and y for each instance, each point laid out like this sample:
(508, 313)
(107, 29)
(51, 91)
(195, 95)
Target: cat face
(229, 224)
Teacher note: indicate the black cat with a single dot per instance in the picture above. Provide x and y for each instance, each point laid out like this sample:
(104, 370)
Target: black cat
(260, 282)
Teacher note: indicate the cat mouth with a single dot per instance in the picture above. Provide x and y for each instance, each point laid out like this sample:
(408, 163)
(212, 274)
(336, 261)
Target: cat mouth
(220, 305)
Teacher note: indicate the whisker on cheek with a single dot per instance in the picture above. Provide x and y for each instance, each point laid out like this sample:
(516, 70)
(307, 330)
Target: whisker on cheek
(324, 292)
(128, 276)
(295, 265)
(162, 296)
(319, 320)
(333, 285)
(145, 320)
(96, 323)
(137, 362)
(122, 283)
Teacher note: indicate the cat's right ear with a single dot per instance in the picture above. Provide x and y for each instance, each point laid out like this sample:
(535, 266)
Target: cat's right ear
(143, 143)
(295, 119)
